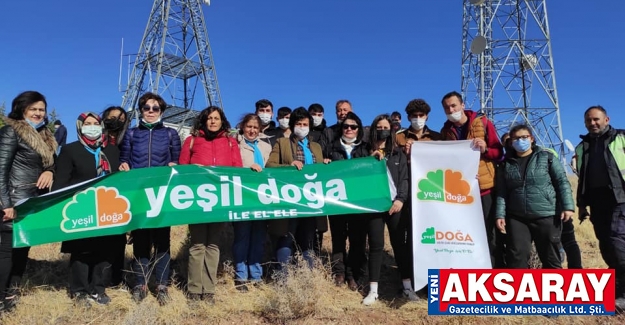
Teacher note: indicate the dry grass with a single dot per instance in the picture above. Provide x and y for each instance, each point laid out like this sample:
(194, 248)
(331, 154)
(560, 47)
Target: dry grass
(306, 297)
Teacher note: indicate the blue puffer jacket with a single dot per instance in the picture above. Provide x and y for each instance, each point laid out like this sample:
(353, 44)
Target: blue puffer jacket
(145, 147)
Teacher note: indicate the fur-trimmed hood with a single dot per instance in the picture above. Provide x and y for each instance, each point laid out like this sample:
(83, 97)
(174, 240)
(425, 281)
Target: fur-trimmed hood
(42, 140)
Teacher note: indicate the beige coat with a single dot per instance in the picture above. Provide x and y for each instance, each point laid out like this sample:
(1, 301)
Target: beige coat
(247, 152)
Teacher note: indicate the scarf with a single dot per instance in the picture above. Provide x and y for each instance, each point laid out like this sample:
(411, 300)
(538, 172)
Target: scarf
(349, 147)
(102, 165)
(308, 157)
(258, 156)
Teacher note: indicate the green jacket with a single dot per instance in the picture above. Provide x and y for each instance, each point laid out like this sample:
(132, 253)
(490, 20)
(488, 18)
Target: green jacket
(614, 144)
(539, 194)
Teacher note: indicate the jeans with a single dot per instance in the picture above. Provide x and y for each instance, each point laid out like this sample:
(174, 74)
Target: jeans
(248, 248)
(302, 234)
(143, 240)
(496, 240)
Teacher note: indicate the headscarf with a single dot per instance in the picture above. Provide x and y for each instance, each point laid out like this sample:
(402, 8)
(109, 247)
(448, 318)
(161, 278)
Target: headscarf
(103, 167)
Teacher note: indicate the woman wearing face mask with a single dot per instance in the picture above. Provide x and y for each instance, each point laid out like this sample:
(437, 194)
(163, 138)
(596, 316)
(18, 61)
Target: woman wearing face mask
(150, 144)
(115, 122)
(249, 236)
(384, 147)
(208, 145)
(297, 151)
(79, 161)
(27, 150)
(348, 267)
(530, 185)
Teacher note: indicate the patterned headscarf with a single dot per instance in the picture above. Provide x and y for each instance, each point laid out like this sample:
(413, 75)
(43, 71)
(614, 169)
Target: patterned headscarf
(103, 167)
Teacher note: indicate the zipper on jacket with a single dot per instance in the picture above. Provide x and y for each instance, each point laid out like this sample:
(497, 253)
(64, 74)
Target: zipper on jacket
(533, 155)
(150, 149)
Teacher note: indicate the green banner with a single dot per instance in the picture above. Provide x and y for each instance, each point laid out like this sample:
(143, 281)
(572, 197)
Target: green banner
(189, 194)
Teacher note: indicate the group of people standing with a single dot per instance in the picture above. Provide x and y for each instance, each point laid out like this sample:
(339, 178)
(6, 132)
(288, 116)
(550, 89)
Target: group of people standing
(525, 193)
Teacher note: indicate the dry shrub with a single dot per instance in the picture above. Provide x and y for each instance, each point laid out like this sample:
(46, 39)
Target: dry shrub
(296, 291)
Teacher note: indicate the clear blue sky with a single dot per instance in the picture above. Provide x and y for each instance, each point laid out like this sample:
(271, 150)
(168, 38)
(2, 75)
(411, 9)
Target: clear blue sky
(377, 54)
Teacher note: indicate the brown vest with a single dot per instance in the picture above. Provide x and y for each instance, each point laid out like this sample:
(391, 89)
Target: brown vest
(486, 171)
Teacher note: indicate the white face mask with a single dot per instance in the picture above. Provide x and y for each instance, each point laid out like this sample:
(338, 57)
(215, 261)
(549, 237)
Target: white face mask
(91, 132)
(265, 118)
(284, 123)
(455, 117)
(417, 123)
(317, 120)
(300, 132)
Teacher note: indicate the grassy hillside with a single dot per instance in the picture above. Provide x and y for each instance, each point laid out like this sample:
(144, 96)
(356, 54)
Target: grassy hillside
(306, 298)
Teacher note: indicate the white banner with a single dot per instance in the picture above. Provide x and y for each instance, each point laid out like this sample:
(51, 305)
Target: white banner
(447, 219)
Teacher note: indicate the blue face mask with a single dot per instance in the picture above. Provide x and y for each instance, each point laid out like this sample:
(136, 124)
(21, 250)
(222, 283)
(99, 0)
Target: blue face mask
(522, 145)
(36, 125)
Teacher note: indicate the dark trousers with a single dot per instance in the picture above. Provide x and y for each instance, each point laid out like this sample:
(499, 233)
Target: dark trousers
(398, 231)
(143, 240)
(353, 228)
(496, 240)
(545, 232)
(570, 246)
(608, 220)
(118, 260)
(12, 264)
(89, 273)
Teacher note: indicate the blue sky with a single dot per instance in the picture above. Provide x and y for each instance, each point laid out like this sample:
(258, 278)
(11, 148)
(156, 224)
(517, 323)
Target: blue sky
(379, 55)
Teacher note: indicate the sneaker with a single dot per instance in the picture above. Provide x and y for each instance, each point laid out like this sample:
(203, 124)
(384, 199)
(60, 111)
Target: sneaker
(82, 300)
(162, 296)
(370, 299)
(410, 295)
(101, 299)
(138, 293)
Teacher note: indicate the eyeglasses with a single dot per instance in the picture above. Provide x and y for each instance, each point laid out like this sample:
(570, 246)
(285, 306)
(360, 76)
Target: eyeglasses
(154, 109)
(350, 126)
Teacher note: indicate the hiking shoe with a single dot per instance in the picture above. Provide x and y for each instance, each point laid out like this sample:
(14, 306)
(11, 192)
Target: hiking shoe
(240, 286)
(101, 299)
(410, 295)
(138, 294)
(162, 296)
(82, 300)
(370, 299)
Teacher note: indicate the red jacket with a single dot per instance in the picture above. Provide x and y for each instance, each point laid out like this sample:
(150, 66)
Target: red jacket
(221, 151)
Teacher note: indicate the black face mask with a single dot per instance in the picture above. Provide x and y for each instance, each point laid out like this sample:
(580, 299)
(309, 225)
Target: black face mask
(113, 124)
(383, 134)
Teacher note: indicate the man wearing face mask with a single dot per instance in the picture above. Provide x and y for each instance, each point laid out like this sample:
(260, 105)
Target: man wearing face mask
(601, 164)
(343, 106)
(60, 134)
(284, 114)
(396, 118)
(417, 111)
(264, 110)
(464, 124)
(319, 123)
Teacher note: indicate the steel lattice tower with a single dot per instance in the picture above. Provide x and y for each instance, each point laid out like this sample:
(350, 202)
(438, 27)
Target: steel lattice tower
(507, 67)
(174, 60)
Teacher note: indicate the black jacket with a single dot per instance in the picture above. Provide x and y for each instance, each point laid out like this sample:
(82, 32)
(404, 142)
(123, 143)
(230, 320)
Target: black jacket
(397, 165)
(61, 135)
(273, 133)
(75, 165)
(337, 152)
(25, 153)
(327, 138)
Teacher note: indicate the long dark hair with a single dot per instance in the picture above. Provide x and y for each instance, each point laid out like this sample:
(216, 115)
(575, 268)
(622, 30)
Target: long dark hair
(390, 143)
(22, 101)
(200, 120)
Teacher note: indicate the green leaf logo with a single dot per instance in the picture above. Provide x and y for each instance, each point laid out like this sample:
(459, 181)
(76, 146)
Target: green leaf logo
(445, 186)
(428, 236)
(96, 208)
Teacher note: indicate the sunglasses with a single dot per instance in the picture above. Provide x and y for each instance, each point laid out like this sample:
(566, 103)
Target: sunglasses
(147, 108)
(350, 126)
